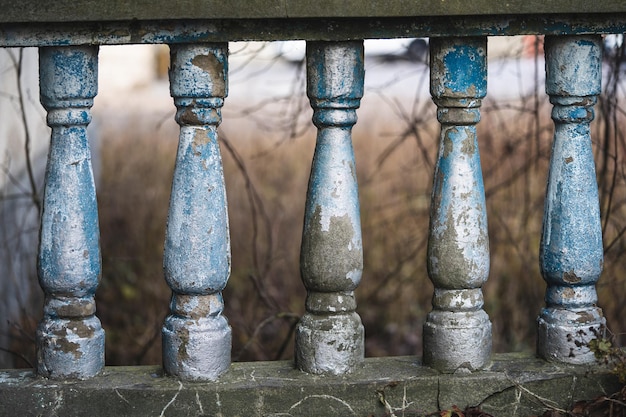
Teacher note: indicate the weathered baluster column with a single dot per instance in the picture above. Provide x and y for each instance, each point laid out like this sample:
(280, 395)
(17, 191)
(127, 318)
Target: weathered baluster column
(329, 338)
(70, 339)
(196, 336)
(571, 253)
(457, 333)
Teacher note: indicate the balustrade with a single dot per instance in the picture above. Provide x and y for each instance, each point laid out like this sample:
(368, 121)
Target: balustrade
(329, 338)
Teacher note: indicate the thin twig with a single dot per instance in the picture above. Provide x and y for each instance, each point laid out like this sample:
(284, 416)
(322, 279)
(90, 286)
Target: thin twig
(19, 355)
(27, 137)
(260, 326)
(544, 401)
(258, 209)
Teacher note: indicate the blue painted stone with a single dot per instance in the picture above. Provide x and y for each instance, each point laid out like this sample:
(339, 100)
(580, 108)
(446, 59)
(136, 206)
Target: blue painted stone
(571, 252)
(70, 339)
(458, 243)
(196, 336)
(330, 336)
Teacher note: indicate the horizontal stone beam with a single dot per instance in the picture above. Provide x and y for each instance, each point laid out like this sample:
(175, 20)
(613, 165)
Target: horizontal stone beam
(34, 34)
(513, 385)
(97, 10)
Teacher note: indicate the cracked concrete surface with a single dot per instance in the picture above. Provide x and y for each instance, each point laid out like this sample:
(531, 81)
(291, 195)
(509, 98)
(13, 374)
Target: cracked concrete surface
(513, 385)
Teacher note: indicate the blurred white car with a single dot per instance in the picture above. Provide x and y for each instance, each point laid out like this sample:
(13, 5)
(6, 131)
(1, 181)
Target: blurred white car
(614, 48)
(412, 49)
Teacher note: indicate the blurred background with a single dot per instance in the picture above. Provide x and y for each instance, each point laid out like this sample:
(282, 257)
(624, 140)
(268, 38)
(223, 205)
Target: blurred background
(267, 143)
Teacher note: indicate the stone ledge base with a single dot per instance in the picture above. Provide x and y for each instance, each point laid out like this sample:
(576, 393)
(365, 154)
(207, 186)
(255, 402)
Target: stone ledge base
(513, 386)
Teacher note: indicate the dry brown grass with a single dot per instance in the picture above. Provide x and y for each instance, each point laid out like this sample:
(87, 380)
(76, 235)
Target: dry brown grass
(266, 178)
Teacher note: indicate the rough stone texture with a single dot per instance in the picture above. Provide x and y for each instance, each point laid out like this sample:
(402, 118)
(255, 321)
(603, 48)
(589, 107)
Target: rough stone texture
(93, 10)
(196, 260)
(571, 252)
(513, 386)
(16, 34)
(330, 336)
(70, 338)
(458, 241)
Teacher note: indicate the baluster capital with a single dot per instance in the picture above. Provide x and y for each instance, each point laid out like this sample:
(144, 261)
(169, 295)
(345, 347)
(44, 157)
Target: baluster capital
(198, 82)
(458, 81)
(335, 81)
(68, 76)
(573, 66)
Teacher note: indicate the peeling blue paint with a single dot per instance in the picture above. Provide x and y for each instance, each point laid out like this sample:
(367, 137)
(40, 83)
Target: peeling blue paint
(70, 339)
(197, 245)
(196, 336)
(466, 60)
(329, 338)
(572, 238)
(571, 252)
(458, 242)
(460, 206)
(464, 72)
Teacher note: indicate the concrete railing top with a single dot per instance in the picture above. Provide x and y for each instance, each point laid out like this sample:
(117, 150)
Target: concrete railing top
(80, 22)
(119, 10)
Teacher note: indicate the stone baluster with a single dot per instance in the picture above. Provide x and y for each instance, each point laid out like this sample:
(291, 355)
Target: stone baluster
(330, 336)
(571, 253)
(70, 339)
(457, 333)
(196, 336)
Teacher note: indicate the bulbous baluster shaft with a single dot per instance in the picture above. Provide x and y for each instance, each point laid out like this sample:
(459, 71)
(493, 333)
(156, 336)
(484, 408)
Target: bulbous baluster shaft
(329, 338)
(70, 339)
(196, 336)
(571, 254)
(457, 333)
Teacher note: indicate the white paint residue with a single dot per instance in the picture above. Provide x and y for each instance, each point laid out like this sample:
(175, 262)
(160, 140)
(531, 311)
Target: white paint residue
(219, 405)
(354, 275)
(5, 378)
(325, 219)
(199, 403)
(180, 387)
(121, 396)
(58, 402)
(326, 397)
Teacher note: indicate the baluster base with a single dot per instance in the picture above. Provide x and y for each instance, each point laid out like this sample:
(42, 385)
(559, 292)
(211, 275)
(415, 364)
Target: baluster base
(564, 335)
(70, 348)
(196, 349)
(457, 340)
(331, 344)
